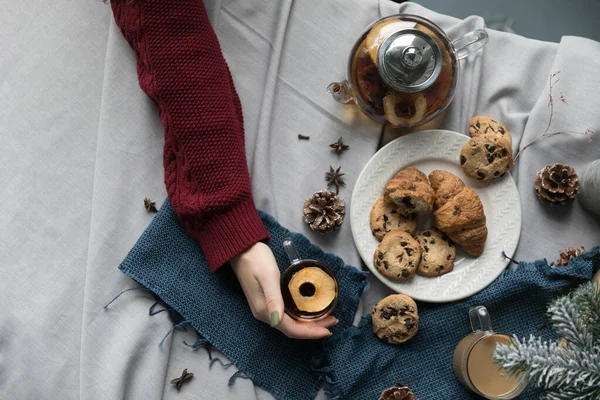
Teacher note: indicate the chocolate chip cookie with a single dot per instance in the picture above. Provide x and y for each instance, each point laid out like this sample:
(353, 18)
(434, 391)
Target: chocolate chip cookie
(484, 160)
(409, 189)
(438, 253)
(490, 128)
(395, 319)
(386, 218)
(397, 256)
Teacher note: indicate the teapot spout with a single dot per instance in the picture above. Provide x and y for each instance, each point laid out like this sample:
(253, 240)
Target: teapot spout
(342, 92)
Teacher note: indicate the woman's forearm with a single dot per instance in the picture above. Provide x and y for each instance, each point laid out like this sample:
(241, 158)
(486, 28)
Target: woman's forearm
(181, 67)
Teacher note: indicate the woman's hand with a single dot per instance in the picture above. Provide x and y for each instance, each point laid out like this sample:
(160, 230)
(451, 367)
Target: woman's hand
(257, 271)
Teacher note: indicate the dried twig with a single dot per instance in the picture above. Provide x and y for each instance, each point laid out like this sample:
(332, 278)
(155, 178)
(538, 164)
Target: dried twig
(554, 79)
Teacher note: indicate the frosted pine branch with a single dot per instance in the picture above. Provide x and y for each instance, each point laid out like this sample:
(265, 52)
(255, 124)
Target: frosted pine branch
(568, 323)
(588, 394)
(586, 296)
(549, 364)
(569, 371)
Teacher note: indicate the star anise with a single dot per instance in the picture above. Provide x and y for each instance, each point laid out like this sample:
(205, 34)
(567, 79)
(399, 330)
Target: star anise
(339, 146)
(179, 381)
(150, 205)
(333, 177)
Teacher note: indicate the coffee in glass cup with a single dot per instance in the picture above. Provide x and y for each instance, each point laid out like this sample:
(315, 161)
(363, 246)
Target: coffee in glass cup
(474, 365)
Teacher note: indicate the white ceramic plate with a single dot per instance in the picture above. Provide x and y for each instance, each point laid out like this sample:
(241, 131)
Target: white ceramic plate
(429, 150)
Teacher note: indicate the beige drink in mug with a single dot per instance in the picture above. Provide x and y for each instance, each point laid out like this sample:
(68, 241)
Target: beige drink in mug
(474, 363)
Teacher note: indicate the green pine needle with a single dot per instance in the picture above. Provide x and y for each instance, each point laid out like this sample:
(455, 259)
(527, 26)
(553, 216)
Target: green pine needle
(568, 370)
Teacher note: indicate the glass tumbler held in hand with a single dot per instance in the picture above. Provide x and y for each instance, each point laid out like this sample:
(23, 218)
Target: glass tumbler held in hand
(474, 363)
(308, 287)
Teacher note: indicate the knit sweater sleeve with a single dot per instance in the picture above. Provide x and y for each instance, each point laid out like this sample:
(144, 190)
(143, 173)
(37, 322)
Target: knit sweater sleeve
(181, 67)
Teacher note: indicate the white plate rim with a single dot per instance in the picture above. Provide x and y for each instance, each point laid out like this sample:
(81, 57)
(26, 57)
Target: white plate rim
(462, 283)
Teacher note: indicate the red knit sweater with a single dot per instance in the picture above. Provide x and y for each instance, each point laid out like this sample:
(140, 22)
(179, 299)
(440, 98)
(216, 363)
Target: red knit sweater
(181, 67)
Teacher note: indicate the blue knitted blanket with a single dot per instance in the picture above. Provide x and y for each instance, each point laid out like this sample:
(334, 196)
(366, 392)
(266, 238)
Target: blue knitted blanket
(352, 364)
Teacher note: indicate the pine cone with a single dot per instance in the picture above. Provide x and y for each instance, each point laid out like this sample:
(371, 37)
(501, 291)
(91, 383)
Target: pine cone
(324, 211)
(567, 255)
(556, 184)
(397, 393)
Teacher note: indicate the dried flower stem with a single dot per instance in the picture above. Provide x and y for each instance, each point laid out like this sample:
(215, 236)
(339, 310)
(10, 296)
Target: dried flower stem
(554, 79)
(547, 135)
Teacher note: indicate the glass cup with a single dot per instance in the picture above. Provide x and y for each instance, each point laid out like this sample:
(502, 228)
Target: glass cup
(473, 362)
(309, 287)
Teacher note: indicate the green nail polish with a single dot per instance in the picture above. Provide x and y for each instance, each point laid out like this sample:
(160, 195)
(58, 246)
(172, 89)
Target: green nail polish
(274, 319)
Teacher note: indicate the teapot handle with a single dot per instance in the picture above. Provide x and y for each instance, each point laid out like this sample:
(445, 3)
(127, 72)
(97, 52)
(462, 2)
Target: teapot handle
(470, 43)
(480, 319)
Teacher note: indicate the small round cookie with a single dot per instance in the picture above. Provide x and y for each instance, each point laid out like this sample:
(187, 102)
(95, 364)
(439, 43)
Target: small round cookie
(386, 218)
(397, 256)
(484, 160)
(412, 174)
(395, 319)
(438, 253)
(409, 189)
(490, 128)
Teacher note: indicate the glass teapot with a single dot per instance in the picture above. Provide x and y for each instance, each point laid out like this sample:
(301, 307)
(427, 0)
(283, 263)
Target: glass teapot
(403, 70)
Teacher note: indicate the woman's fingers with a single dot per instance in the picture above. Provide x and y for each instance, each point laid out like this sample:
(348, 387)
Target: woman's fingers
(269, 280)
(257, 271)
(306, 330)
(258, 274)
(327, 322)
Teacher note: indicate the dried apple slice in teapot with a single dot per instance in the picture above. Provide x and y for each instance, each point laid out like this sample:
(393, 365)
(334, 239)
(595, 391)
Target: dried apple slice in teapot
(402, 109)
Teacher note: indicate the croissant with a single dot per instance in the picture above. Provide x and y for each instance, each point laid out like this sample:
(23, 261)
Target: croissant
(458, 212)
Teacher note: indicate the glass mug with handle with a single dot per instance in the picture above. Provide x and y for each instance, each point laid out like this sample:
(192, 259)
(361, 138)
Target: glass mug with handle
(309, 287)
(473, 361)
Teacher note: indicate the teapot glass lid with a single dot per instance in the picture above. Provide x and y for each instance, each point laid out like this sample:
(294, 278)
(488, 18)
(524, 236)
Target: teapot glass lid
(409, 60)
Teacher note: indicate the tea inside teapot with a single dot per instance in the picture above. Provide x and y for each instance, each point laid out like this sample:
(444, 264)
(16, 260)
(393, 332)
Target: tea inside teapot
(402, 71)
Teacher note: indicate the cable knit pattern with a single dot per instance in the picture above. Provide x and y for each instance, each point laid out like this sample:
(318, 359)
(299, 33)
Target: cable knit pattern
(181, 67)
